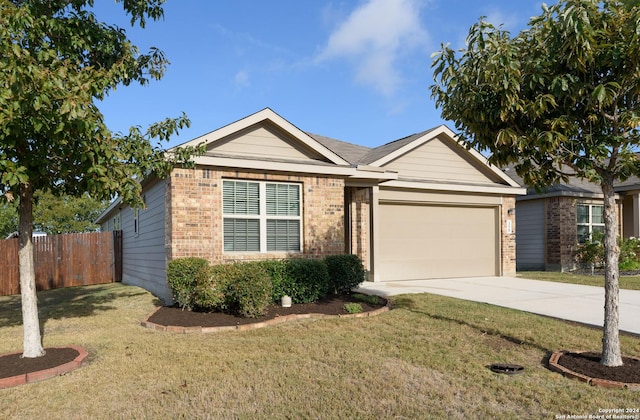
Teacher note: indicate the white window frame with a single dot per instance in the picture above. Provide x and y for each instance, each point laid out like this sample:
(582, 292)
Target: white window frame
(262, 217)
(589, 224)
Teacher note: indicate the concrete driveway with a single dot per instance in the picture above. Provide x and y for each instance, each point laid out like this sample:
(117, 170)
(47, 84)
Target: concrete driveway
(571, 302)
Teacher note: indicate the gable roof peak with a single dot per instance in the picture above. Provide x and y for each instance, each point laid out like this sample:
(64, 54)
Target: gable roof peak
(264, 115)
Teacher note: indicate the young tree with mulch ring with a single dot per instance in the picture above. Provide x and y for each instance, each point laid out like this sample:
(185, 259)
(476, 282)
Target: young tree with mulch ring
(57, 61)
(560, 99)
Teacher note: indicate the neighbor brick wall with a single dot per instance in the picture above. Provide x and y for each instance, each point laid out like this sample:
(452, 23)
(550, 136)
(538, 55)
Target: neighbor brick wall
(561, 233)
(508, 240)
(194, 214)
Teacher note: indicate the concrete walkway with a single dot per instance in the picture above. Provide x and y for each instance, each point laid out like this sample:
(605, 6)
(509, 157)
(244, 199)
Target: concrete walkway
(571, 302)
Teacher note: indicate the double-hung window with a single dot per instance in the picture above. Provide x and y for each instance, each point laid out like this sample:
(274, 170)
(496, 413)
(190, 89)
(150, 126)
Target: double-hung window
(590, 220)
(261, 216)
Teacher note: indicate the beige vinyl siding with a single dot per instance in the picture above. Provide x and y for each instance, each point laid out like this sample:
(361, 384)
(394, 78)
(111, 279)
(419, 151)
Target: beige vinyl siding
(417, 196)
(437, 160)
(530, 225)
(431, 241)
(144, 256)
(264, 142)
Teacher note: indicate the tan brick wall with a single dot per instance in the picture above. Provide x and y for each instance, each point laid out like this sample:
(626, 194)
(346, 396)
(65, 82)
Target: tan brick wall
(360, 216)
(195, 226)
(508, 240)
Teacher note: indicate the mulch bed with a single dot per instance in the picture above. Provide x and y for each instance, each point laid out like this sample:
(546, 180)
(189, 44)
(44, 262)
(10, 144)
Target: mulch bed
(588, 364)
(331, 305)
(15, 364)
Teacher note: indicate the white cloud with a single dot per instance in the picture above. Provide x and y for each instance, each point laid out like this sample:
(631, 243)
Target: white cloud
(241, 79)
(374, 36)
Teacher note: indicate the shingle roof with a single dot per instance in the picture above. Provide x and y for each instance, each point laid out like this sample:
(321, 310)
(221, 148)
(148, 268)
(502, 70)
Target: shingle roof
(363, 155)
(574, 186)
(347, 151)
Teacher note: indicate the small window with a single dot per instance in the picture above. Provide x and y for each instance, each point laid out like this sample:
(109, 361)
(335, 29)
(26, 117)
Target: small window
(590, 219)
(261, 216)
(136, 222)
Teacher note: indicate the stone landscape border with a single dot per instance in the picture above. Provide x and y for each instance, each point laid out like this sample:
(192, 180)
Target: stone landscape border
(41, 375)
(555, 366)
(256, 325)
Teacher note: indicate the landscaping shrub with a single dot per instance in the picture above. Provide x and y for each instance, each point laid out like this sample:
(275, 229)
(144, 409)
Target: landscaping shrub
(210, 288)
(248, 292)
(592, 252)
(346, 272)
(283, 283)
(630, 254)
(183, 275)
(310, 280)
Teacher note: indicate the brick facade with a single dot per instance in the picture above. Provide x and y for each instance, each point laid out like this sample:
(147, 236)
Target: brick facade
(561, 232)
(194, 225)
(360, 221)
(194, 220)
(508, 237)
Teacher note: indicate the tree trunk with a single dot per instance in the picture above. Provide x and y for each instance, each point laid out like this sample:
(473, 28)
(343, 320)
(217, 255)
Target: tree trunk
(32, 341)
(611, 355)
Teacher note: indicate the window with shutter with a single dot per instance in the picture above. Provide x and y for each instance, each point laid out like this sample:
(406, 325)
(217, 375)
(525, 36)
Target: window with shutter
(261, 216)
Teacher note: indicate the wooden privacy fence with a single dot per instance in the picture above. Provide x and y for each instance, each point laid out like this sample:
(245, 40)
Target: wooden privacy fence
(76, 259)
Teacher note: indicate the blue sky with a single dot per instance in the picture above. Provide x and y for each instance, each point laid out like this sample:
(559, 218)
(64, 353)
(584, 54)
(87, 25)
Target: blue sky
(355, 70)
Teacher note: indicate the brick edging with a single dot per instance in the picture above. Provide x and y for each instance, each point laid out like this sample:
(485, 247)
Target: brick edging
(255, 325)
(41, 375)
(555, 366)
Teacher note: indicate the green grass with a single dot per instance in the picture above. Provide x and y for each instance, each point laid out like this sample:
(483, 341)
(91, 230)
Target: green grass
(626, 282)
(427, 358)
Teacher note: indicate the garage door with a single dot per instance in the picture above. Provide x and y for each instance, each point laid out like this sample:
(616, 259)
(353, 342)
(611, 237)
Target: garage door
(426, 241)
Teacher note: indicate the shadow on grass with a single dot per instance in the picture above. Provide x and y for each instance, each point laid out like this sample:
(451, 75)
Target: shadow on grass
(409, 304)
(70, 302)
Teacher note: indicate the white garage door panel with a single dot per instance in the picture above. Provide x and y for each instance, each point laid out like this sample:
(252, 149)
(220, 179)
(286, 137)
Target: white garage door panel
(419, 242)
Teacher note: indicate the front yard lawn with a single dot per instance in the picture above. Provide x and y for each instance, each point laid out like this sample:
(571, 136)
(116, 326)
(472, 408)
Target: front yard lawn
(427, 358)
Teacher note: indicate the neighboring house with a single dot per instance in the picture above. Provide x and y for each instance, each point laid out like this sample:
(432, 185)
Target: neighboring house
(554, 221)
(420, 207)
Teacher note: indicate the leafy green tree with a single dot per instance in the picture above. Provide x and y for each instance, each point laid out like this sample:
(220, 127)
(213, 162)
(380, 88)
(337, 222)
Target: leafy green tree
(8, 218)
(58, 59)
(57, 215)
(559, 99)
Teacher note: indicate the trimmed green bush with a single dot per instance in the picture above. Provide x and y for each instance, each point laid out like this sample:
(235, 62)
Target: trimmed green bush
(630, 254)
(346, 272)
(210, 289)
(248, 292)
(310, 280)
(183, 275)
(283, 283)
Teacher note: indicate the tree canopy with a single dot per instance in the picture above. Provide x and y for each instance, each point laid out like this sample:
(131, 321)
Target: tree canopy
(559, 99)
(58, 60)
(55, 215)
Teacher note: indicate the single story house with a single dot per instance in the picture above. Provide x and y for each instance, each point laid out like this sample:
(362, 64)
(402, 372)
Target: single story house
(554, 221)
(420, 207)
